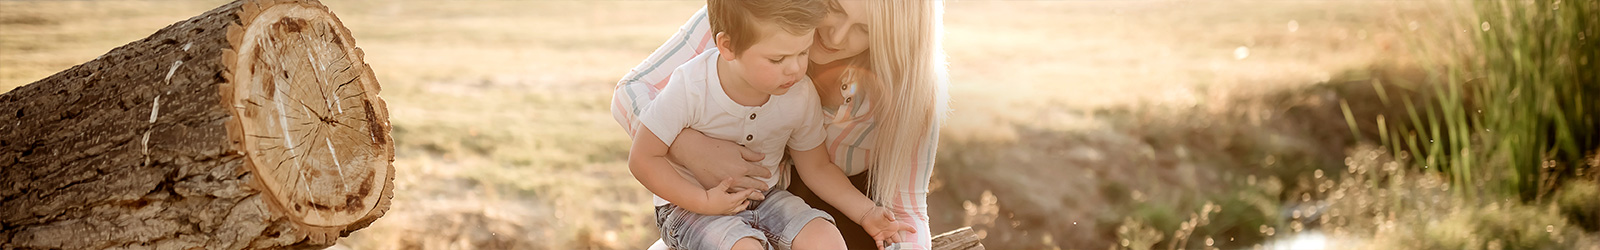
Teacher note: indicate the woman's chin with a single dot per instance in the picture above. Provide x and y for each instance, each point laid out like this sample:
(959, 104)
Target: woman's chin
(822, 60)
(819, 57)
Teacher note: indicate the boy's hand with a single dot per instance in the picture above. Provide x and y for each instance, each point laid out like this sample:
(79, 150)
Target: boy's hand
(719, 202)
(880, 223)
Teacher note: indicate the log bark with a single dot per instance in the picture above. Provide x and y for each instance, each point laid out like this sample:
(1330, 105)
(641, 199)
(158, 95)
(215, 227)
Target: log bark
(254, 125)
(959, 239)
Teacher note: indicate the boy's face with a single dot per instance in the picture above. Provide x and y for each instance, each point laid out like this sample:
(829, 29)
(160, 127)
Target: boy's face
(774, 63)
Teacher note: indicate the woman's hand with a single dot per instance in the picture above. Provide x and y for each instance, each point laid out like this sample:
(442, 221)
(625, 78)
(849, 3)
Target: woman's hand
(713, 161)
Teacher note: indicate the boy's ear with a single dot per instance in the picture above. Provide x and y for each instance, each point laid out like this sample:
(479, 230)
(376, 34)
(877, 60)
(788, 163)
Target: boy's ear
(725, 46)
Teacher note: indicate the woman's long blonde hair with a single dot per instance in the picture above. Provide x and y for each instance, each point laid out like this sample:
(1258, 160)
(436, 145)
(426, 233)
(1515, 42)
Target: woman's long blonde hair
(908, 95)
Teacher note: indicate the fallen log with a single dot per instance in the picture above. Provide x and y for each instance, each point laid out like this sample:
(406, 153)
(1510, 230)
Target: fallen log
(959, 239)
(254, 125)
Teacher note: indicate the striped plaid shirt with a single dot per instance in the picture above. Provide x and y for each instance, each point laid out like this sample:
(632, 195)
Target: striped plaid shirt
(849, 140)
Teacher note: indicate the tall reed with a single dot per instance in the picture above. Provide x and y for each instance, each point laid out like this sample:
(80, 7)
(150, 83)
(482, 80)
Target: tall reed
(1516, 105)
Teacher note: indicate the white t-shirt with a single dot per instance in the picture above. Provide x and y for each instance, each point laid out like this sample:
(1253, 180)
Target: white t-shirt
(694, 98)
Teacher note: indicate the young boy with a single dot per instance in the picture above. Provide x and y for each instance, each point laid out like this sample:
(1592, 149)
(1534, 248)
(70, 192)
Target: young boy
(752, 90)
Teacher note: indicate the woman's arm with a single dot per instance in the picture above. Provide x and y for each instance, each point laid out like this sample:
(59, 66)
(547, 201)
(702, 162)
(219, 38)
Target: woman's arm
(647, 160)
(911, 202)
(710, 160)
(637, 88)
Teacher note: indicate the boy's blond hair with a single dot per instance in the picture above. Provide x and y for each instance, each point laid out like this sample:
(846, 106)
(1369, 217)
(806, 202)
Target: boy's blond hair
(737, 18)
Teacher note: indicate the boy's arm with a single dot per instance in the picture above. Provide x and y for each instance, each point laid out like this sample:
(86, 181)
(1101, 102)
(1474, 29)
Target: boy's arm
(829, 182)
(813, 163)
(647, 160)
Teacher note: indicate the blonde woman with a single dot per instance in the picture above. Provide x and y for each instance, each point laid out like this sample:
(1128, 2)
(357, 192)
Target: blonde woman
(878, 67)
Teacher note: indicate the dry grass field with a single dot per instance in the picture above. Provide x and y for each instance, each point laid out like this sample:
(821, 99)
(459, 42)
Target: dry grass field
(1069, 116)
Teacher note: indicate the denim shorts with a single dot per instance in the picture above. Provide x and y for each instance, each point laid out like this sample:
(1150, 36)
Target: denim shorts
(774, 222)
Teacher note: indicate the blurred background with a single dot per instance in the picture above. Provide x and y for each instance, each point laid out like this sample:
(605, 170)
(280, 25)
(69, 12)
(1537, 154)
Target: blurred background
(1198, 124)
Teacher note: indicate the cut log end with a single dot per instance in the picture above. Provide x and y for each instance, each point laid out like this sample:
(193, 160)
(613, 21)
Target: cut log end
(308, 118)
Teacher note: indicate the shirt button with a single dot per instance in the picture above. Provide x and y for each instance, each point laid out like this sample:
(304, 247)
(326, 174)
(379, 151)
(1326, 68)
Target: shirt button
(752, 116)
(847, 99)
(749, 137)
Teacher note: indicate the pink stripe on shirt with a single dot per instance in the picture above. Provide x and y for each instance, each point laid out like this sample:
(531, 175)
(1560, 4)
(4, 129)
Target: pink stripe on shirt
(703, 43)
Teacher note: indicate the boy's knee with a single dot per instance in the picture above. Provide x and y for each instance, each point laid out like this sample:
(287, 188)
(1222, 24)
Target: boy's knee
(819, 234)
(748, 243)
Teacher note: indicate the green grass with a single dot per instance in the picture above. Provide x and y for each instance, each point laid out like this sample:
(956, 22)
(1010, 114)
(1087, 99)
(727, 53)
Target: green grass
(1381, 204)
(1493, 140)
(1509, 100)
(1539, 92)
